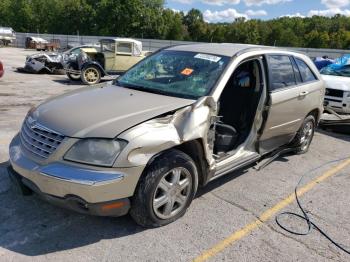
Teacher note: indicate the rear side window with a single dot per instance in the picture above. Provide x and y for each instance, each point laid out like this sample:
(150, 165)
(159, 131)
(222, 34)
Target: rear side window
(124, 48)
(306, 74)
(281, 72)
(296, 72)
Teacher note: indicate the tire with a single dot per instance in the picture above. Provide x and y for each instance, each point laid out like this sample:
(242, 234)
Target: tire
(73, 77)
(152, 205)
(304, 136)
(91, 75)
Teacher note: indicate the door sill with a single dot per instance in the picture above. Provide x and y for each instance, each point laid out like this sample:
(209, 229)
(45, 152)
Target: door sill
(236, 165)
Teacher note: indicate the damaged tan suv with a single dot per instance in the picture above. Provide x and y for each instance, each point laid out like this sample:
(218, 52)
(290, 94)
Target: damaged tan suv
(178, 119)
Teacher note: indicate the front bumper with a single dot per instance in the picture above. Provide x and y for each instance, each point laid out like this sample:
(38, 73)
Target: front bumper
(338, 104)
(114, 208)
(60, 181)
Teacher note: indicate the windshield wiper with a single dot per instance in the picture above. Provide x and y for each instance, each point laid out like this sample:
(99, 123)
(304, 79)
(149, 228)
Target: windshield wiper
(153, 91)
(140, 88)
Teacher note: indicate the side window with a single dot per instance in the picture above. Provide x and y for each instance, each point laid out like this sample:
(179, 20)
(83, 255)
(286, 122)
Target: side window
(306, 74)
(305, 71)
(281, 72)
(76, 51)
(108, 46)
(124, 48)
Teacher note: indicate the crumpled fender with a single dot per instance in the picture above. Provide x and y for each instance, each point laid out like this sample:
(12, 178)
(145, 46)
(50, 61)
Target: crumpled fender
(154, 136)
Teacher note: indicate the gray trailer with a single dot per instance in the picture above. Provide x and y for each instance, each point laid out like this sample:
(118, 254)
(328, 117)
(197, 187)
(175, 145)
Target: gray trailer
(7, 36)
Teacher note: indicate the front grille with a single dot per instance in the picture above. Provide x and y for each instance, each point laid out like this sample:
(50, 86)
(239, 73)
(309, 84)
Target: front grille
(39, 140)
(333, 100)
(334, 92)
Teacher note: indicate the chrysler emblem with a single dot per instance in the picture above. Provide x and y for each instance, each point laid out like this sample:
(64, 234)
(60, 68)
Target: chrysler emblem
(33, 124)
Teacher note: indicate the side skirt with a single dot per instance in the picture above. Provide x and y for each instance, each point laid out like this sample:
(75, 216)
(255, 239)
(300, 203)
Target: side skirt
(236, 165)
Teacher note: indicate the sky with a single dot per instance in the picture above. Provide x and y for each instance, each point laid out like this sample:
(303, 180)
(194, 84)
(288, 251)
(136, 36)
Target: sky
(228, 10)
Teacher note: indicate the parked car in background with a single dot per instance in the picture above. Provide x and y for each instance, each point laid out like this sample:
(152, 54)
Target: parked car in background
(35, 43)
(115, 56)
(2, 71)
(41, 44)
(53, 62)
(7, 36)
(337, 93)
(337, 80)
(177, 120)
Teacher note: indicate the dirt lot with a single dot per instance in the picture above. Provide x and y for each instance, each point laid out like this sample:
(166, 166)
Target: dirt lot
(233, 217)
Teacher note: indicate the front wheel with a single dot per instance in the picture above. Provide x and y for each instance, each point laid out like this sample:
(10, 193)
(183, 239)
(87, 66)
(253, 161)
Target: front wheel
(91, 75)
(304, 136)
(166, 190)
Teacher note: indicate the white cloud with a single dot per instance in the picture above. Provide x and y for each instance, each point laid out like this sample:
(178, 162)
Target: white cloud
(329, 12)
(229, 15)
(187, 2)
(210, 2)
(256, 13)
(262, 2)
(331, 4)
(221, 2)
(236, 2)
(294, 15)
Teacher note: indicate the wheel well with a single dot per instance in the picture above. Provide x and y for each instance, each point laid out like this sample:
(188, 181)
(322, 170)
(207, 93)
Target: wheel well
(195, 150)
(315, 113)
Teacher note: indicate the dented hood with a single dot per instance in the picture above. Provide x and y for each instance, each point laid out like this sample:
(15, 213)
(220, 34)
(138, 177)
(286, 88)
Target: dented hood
(103, 112)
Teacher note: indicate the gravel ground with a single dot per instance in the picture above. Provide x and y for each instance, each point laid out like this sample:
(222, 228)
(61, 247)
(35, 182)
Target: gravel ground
(32, 230)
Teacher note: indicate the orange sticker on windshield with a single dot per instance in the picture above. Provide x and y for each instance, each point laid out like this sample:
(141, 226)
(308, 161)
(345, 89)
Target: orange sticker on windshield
(187, 71)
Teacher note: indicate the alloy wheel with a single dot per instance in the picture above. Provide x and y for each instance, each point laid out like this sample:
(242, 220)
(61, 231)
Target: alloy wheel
(306, 135)
(172, 193)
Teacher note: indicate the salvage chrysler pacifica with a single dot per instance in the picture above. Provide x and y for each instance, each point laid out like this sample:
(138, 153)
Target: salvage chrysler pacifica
(175, 121)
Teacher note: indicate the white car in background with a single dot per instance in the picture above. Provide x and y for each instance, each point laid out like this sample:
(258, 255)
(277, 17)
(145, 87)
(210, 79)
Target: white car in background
(337, 95)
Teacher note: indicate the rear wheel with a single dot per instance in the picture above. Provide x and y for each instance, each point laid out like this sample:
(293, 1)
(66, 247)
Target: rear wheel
(304, 135)
(166, 190)
(73, 77)
(91, 75)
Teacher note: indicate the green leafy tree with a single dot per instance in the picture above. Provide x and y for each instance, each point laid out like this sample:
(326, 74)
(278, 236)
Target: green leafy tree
(149, 19)
(195, 25)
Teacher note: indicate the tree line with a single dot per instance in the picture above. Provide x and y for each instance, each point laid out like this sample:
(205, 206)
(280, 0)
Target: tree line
(150, 19)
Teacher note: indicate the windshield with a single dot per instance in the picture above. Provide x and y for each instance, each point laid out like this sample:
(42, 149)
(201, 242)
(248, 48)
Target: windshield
(176, 73)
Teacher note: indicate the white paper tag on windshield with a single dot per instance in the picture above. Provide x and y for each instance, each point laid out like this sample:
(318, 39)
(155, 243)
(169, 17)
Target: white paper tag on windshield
(212, 58)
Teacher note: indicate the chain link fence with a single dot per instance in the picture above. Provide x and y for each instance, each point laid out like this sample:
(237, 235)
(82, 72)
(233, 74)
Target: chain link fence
(67, 41)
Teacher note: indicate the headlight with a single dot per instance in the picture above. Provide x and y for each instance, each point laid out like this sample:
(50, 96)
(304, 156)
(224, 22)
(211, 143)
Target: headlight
(347, 94)
(100, 152)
